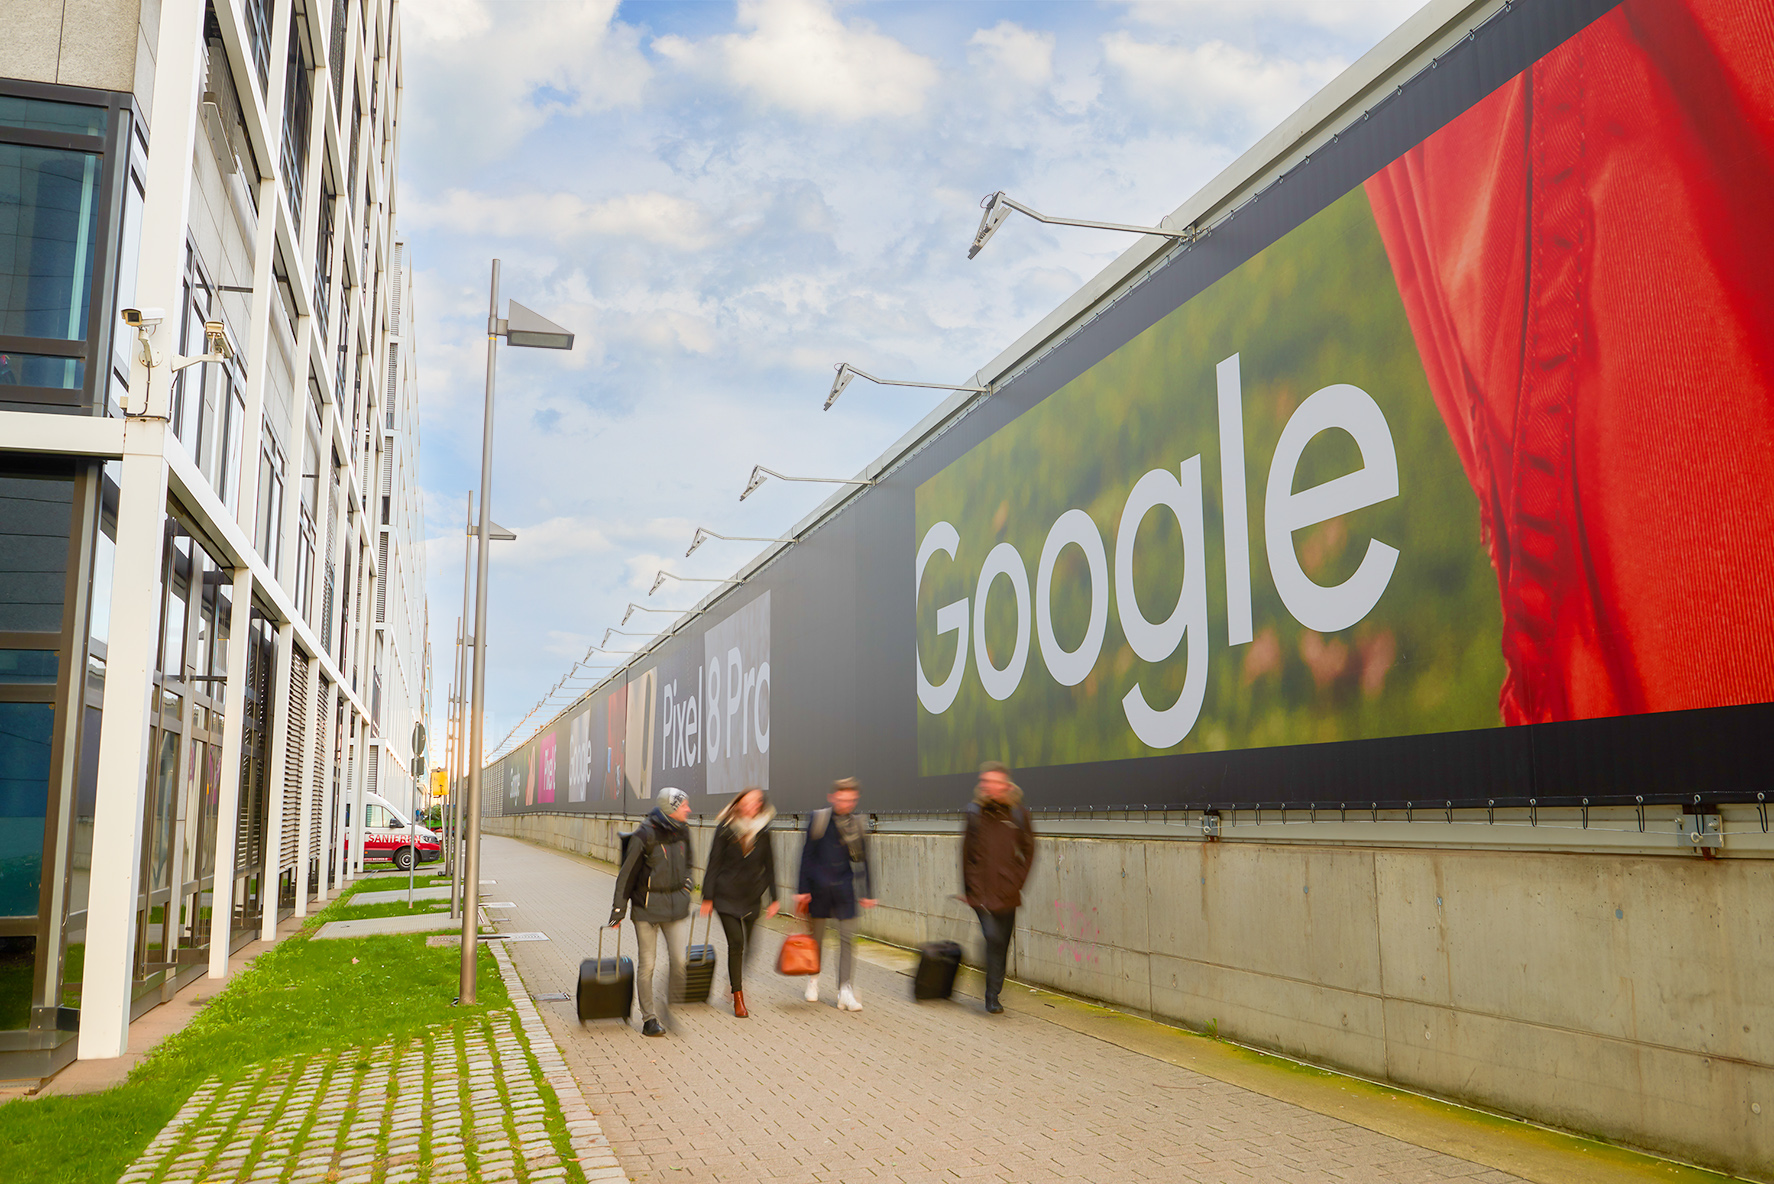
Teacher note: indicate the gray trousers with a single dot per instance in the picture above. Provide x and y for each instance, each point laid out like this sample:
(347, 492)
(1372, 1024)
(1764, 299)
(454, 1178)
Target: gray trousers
(846, 945)
(677, 942)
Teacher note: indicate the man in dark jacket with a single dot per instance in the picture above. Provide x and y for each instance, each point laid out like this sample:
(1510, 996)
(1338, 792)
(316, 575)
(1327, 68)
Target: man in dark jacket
(996, 851)
(834, 858)
(655, 881)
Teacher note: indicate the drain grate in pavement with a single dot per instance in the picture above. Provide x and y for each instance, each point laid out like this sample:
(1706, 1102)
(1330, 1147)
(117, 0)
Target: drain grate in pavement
(551, 997)
(514, 937)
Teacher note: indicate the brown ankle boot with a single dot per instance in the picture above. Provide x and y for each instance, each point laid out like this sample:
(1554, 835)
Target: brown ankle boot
(739, 1005)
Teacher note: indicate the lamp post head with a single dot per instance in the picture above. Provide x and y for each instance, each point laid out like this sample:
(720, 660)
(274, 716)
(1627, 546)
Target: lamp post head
(996, 211)
(525, 327)
(845, 374)
(758, 477)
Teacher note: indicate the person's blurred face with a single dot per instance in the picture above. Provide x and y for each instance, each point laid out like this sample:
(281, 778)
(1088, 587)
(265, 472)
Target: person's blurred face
(843, 800)
(994, 785)
(682, 812)
(749, 803)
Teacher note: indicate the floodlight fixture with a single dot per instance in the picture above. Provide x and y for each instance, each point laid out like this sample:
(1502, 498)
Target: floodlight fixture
(759, 474)
(641, 608)
(846, 372)
(703, 534)
(998, 206)
(524, 327)
(659, 581)
(495, 533)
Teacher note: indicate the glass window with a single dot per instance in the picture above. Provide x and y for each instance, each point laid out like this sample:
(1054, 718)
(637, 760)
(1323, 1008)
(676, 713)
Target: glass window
(25, 737)
(49, 213)
(46, 115)
(36, 510)
(66, 374)
(28, 667)
(375, 817)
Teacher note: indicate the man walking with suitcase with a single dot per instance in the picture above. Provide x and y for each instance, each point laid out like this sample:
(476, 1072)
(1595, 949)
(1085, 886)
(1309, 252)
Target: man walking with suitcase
(834, 860)
(996, 852)
(654, 886)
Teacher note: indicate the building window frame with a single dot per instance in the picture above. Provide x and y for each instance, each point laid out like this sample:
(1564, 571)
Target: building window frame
(92, 350)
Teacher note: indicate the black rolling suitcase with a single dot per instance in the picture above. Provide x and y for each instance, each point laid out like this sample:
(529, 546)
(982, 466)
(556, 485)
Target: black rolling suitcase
(699, 966)
(606, 985)
(937, 963)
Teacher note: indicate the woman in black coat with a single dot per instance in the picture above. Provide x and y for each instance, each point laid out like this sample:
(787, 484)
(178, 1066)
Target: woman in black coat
(741, 872)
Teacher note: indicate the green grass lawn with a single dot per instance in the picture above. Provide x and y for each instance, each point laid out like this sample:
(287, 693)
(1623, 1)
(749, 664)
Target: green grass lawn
(301, 996)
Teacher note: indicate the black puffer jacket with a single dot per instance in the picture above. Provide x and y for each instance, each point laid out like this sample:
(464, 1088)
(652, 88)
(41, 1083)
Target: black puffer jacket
(737, 879)
(660, 852)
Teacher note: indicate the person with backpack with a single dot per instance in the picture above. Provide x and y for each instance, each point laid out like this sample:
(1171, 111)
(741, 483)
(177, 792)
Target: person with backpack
(834, 859)
(654, 888)
(741, 872)
(996, 851)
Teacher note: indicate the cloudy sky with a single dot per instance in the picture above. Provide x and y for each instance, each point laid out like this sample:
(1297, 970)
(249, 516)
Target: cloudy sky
(725, 199)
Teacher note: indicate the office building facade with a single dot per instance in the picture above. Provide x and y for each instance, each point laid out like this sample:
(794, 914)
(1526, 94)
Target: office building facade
(206, 442)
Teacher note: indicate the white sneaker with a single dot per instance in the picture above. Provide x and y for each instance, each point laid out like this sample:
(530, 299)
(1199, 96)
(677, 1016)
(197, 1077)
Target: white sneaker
(812, 993)
(847, 999)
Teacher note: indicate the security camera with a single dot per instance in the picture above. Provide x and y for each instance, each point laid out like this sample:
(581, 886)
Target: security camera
(143, 318)
(216, 340)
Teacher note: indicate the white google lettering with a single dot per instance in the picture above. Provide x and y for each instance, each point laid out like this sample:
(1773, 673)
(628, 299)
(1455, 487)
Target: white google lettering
(1074, 528)
(1002, 560)
(950, 618)
(1342, 605)
(1325, 609)
(1156, 641)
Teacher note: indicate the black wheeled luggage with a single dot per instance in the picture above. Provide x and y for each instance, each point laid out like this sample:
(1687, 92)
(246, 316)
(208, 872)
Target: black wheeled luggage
(937, 963)
(606, 985)
(699, 966)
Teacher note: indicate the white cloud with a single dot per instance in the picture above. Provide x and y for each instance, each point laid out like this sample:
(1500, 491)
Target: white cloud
(1214, 82)
(492, 72)
(1009, 49)
(652, 217)
(551, 541)
(1371, 19)
(799, 57)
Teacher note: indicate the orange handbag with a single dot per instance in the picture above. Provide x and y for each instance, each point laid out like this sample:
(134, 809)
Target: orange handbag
(800, 955)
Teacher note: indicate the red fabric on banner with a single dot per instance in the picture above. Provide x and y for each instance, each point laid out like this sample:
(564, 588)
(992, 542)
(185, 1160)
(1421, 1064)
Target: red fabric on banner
(1587, 262)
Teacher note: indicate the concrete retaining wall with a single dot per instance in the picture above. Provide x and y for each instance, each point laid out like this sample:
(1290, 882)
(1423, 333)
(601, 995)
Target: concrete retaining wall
(1630, 997)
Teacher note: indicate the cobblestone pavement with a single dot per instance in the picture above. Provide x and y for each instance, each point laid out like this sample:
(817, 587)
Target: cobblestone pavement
(902, 1091)
(488, 1100)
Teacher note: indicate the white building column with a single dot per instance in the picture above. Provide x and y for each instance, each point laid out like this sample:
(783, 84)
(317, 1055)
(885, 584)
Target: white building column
(328, 854)
(141, 516)
(277, 729)
(123, 744)
(221, 915)
(359, 775)
(305, 786)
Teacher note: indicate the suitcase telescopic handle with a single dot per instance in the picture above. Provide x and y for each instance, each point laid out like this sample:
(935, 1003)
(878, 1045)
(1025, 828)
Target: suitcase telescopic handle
(600, 950)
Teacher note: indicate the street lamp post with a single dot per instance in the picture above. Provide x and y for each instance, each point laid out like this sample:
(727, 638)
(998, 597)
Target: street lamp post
(521, 328)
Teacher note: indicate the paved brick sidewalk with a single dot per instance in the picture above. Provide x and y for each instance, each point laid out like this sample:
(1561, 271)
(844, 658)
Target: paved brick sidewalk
(901, 1091)
(465, 1102)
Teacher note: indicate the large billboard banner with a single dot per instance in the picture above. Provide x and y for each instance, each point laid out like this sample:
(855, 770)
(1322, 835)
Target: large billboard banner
(1442, 470)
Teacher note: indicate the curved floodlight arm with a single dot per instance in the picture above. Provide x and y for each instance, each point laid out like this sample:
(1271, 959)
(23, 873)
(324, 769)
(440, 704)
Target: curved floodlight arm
(846, 372)
(998, 206)
(759, 473)
(641, 608)
(662, 576)
(703, 534)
